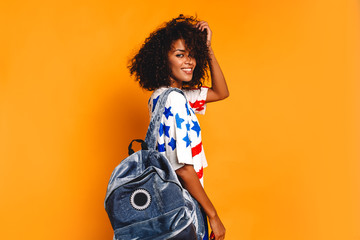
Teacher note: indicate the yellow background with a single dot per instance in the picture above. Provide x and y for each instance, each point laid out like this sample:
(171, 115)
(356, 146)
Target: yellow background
(282, 149)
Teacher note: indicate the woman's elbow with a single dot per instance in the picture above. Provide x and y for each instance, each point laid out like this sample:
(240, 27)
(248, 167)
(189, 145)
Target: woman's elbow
(186, 172)
(183, 171)
(224, 95)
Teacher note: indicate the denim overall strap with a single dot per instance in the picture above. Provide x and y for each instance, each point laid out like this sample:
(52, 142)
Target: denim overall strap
(153, 129)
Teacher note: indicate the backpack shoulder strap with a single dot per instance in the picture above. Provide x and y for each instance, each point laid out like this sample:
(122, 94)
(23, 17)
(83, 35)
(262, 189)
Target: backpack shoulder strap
(153, 129)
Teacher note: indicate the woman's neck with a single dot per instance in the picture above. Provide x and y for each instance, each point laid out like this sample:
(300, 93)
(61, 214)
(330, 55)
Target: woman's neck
(175, 84)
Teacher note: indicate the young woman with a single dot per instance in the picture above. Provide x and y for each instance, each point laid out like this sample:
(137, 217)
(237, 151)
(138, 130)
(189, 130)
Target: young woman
(178, 55)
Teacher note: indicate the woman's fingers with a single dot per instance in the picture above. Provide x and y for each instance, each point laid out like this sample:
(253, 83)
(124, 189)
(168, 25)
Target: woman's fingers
(201, 24)
(204, 25)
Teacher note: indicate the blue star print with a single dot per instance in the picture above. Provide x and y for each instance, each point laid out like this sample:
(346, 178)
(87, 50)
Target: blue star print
(161, 129)
(166, 129)
(168, 112)
(187, 109)
(187, 140)
(196, 127)
(187, 126)
(154, 102)
(172, 144)
(161, 147)
(179, 121)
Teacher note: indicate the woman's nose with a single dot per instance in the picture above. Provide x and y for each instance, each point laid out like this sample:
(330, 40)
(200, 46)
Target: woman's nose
(189, 59)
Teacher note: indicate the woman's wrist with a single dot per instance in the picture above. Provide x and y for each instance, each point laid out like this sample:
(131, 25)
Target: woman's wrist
(212, 214)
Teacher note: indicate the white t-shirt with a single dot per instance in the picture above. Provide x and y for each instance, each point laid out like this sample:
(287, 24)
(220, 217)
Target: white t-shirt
(179, 135)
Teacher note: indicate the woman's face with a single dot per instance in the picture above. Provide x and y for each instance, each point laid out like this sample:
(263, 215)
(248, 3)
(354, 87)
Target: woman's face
(181, 64)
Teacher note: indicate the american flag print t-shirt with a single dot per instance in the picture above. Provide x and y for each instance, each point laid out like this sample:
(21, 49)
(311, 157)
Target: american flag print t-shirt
(179, 137)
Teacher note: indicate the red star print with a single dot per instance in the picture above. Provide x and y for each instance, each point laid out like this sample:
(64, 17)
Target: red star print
(200, 173)
(198, 105)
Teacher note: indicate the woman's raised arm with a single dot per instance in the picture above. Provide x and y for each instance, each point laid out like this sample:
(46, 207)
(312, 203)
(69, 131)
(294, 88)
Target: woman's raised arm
(219, 89)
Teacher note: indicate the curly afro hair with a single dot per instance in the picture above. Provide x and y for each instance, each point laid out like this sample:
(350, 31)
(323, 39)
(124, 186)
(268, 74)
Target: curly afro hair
(150, 65)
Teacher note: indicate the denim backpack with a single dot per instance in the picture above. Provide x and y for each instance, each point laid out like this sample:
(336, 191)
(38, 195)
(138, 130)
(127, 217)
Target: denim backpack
(144, 198)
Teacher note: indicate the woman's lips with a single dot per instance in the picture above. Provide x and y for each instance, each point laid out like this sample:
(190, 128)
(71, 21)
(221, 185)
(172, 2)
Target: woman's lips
(187, 70)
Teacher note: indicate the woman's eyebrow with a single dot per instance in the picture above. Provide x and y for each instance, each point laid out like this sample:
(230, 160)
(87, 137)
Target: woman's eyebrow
(181, 50)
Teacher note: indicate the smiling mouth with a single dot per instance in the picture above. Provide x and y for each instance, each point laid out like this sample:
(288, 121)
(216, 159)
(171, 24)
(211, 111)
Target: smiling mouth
(187, 70)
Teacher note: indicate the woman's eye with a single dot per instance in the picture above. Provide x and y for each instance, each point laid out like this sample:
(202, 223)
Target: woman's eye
(179, 55)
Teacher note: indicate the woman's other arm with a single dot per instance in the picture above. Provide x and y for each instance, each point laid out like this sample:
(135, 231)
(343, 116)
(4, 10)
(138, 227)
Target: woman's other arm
(190, 181)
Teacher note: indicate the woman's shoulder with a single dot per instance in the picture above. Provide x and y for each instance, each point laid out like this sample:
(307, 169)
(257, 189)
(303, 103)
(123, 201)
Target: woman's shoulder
(174, 96)
(175, 99)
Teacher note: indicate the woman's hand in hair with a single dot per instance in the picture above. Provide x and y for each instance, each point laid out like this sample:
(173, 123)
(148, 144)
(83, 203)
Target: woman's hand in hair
(204, 25)
(219, 89)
